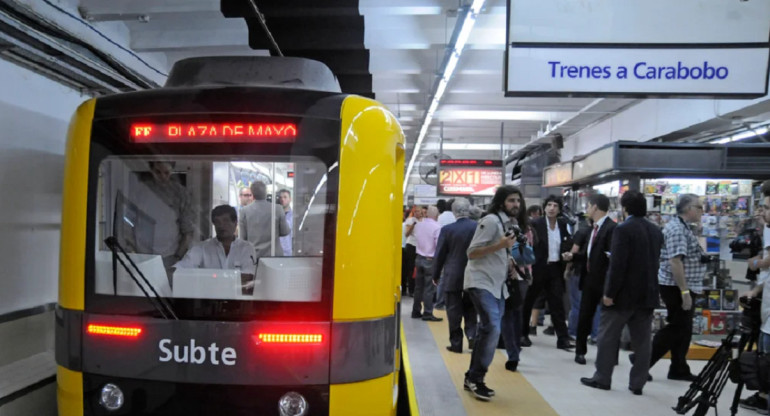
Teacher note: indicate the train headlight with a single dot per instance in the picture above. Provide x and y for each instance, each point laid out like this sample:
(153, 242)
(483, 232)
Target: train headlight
(292, 404)
(112, 397)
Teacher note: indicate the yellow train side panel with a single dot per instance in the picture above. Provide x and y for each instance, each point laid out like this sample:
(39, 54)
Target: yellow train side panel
(72, 253)
(368, 241)
(370, 397)
(69, 392)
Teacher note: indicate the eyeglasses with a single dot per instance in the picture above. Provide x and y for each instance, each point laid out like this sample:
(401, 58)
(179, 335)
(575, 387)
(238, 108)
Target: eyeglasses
(249, 195)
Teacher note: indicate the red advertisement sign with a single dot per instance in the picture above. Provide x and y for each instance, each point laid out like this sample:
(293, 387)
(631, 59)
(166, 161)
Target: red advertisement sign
(469, 181)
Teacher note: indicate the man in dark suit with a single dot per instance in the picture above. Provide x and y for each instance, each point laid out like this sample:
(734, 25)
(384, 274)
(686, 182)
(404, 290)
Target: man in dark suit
(551, 239)
(593, 262)
(451, 257)
(630, 294)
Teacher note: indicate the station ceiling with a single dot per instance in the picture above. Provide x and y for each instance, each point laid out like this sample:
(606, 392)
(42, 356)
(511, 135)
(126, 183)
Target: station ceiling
(389, 50)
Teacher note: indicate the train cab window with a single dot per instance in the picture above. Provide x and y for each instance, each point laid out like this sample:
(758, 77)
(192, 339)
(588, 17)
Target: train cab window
(215, 228)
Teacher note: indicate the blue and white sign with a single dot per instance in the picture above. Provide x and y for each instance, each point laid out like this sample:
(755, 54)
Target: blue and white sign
(638, 71)
(702, 48)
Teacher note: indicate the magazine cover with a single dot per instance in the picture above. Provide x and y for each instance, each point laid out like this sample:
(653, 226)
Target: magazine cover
(734, 188)
(711, 188)
(724, 188)
(700, 302)
(730, 299)
(714, 205)
(742, 205)
(661, 187)
(717, 325)
(649, 188)
(700, 322)
(744, 188)
(714, 299)
(668, 204)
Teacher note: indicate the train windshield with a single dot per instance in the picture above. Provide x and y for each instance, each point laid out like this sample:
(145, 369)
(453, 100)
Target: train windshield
(209, 236)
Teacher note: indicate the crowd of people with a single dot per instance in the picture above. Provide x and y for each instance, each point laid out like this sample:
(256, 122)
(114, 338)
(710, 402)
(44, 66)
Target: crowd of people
(496, 271)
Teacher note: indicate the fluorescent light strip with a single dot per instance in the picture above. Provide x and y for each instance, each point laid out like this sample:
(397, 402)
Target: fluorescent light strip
(454, 57)
(742, 136)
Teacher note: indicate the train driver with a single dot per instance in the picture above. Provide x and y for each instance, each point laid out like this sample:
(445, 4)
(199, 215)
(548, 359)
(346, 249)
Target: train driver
(223, 251)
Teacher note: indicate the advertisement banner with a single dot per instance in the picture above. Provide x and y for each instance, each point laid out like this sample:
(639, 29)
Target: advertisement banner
(469, 181)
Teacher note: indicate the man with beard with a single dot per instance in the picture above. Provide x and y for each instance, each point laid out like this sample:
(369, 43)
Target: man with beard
(488, 266)
(551, 239)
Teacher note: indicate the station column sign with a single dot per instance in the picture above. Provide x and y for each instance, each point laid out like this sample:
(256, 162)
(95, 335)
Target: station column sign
(469, 177)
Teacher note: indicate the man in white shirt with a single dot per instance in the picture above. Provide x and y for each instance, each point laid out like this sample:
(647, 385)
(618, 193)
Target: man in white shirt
(223, 251)
(445, 216)
(284, 198)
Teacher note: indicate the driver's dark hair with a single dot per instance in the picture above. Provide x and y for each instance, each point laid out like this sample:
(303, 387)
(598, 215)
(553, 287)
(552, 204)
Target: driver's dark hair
(224, 210)
(498, 204)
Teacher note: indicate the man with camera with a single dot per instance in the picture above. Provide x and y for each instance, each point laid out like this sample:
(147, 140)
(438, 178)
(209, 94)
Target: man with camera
(682, 267)
(488, 267)
(758, 401)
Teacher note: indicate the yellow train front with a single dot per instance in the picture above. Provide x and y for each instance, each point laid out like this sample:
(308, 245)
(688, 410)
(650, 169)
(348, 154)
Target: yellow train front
(308, 328)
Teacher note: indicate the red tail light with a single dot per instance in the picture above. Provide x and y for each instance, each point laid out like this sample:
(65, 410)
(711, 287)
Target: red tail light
(115, 331)
(289, 338)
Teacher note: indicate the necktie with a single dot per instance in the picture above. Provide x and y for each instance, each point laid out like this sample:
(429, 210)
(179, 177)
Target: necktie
(591, 242)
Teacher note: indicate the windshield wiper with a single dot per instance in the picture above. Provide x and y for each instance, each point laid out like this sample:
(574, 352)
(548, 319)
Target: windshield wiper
(157, 301)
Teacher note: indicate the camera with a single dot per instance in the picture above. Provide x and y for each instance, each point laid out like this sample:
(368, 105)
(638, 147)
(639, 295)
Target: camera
(516, 231)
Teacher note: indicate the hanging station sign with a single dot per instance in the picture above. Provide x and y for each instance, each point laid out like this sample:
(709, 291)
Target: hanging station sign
(654, 48)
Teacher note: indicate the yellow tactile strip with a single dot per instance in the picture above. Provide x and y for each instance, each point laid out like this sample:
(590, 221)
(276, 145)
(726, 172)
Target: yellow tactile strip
(513, 393)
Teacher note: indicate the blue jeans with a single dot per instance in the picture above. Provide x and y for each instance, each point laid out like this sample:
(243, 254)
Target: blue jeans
(763, 343)
(490, 310)
(575, 296)
(511, 324)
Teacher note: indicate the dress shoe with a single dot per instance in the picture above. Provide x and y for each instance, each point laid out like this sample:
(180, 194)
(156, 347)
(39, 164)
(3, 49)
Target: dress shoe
(593, 383)
(632, 358)
(432, 318)
(526, 342)
(471, 343)
(453, 349)
(511, 365)
(533, 331)
(637, 392)
(580, 359)
(416, 315)
(549, 331)
(591, 341)
(683, 377)
(565, 345)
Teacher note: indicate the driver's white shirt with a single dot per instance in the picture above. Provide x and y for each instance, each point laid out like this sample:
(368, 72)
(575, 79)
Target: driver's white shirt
(210, 254)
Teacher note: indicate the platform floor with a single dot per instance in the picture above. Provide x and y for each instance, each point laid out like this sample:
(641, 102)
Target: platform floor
(547, 383)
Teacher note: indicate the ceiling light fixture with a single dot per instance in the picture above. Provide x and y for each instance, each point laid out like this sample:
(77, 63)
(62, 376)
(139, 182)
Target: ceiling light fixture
(462, 31)
(742, 136)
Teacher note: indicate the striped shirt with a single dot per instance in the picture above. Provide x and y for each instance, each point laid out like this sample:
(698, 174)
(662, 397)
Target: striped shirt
(679, 240)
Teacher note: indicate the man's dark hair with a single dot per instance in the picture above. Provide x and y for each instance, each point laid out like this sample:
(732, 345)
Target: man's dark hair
(498, 204)
(634, 203)
(535, 209)
(259, 190)
(441, 205)
(554, 198)
(224, 210)
(601, 202)
(284, 191)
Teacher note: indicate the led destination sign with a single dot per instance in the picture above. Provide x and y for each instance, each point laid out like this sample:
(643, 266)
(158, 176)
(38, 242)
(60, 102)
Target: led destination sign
(213, 132)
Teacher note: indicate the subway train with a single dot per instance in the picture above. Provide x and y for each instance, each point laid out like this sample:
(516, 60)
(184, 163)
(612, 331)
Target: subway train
(308, 327)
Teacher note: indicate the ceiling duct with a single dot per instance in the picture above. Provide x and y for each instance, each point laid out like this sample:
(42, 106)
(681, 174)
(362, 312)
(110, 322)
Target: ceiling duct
(31, 41)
